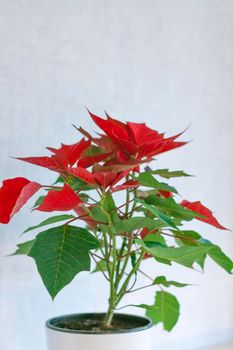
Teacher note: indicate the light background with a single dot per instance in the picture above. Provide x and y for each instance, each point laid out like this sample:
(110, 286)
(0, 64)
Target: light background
(168, 63)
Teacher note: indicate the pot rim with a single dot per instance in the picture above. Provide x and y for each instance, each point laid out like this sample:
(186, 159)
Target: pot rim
(147, 323)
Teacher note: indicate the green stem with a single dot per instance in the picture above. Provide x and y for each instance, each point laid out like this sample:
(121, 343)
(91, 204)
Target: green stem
(123, 289)
(112, 270)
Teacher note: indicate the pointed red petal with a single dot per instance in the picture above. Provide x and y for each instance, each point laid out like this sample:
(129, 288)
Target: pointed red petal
(141, 133)
(70, 154)
(13, 195)
(105, 179)
(126, 185)
(127, 146)
(113, 128)
(65, 199)
(199, 208)
(45, 162)
(105, 143)
(82, 174)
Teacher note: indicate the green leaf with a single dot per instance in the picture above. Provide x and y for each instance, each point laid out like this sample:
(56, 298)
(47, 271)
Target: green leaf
(217, 255)
(108, 206)
(77, 184)
(188, 234)
(187, 238)
(101, 266)
(155, 240)
(60, 253)
(220, 258)
(171, 208)
(50, 221)
(188, 255)
(163, 281)
(185, 255)
(165, 173)
(39, 201)
(93, 151)
(163, 217)
(147, 180)
(163, 261)
(138, 222)
(24, 248)
(59, 180)
(166, 309)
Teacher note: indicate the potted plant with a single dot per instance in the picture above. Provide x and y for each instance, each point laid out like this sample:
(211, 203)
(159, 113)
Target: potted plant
(148, 220)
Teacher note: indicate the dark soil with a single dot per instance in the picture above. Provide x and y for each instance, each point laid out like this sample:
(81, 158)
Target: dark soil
(91, 325)
(94, 323)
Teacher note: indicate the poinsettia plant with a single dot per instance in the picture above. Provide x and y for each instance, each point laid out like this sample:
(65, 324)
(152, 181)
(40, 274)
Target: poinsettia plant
(116, 236)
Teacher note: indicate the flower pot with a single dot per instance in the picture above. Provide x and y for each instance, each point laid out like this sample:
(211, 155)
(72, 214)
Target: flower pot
(131, 332)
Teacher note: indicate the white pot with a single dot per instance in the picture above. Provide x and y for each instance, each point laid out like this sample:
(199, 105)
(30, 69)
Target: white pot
(137, 337)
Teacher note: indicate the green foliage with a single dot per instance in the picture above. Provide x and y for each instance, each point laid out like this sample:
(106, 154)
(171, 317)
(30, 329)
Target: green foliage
(137, 222)
(60, 253)
(161, 280)
(165, 309)
(165, 219)
(188, 255)
(24, 248)
(167, 174)
(171, 208)
(50, 221)
(38, 201)
(148, 180)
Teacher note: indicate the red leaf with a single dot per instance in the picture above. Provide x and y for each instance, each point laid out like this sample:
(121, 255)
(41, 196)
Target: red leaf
(113, 128)
(62, 157)
(201, 209)
(126, 185)
(45, 162)
(105, 179)
(106, 143)
(141, 133)
(70, 154)
(13, 195)
(82, 174)
(65, 199)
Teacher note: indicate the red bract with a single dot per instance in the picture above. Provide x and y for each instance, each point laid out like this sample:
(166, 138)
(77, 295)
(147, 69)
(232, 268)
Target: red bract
(166, 194)
(66, 155)
(13, 195)
(199, 208)
(88, 161)
(133, 140)
(126, 185)
(60, 200)
(102, 179)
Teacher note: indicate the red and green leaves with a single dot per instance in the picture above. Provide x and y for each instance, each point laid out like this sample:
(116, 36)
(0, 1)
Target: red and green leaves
(13, 195)
(148, 223)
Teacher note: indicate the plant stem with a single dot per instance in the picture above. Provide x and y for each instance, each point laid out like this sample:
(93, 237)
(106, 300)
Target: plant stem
(127, 280)
(112, 270)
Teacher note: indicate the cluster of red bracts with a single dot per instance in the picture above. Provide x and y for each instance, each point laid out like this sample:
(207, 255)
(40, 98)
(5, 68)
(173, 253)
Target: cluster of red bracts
(110, 157)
